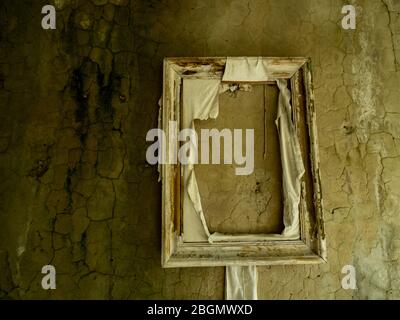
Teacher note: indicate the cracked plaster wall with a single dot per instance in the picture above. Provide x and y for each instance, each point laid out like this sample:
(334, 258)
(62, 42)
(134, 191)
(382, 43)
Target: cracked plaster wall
(77, 102)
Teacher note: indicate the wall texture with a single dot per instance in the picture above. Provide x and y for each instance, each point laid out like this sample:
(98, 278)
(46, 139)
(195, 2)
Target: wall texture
(76, 104)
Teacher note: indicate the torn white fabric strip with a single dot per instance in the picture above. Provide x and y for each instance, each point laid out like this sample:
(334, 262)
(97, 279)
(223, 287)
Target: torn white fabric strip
(194, 195)
(246, 69)
(241, 283)
(200, 101)
(292, 163)
(258, 69)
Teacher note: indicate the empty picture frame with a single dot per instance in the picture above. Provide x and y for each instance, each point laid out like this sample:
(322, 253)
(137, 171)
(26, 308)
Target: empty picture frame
(191, 89)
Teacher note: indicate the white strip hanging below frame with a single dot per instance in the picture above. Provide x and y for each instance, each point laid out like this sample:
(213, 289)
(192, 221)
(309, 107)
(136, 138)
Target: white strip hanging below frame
(241, 283)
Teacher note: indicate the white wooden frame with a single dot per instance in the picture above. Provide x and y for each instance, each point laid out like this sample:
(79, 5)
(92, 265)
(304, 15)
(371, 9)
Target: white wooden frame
(311, 247)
